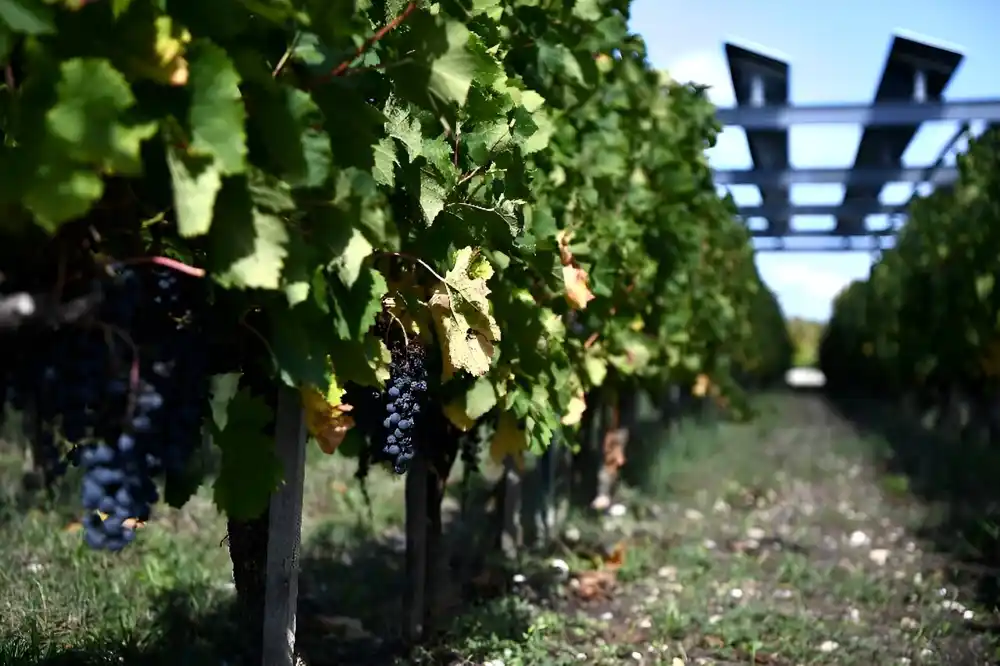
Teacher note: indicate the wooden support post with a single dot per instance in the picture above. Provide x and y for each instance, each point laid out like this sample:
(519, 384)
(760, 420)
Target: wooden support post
(414, 604)
(284, 534)
(512, 536)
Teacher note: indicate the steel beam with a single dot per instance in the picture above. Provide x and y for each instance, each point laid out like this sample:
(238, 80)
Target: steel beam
(834, 244)
(758, 81)
(854, 209)
(885, 114)
(914, 77)
(936, 175)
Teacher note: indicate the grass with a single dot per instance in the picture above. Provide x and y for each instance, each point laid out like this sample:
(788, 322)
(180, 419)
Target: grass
(738, 545)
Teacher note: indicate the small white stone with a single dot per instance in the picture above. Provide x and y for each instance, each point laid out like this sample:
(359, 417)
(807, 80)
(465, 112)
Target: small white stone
(559, 565)
(667, 572)
(858, 539)
(828, 646)
(617, 510)
(879, 556)
(756, 533)
(601, 502)
(607, 616)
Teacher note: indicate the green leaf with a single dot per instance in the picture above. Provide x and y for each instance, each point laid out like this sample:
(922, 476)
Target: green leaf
(196, 183)
(288, 125)
(248, 245)
(216, 113)
(357, 305)
(223, 390)
(452, 71)
(384, 170)
(250, 470)
(404, 128)
(300, 340)
(432, 196)
(29, 17)
(588, 10)
(60, 193)
(442, 67)
(479, 399)
(352, 259)
(90, 117)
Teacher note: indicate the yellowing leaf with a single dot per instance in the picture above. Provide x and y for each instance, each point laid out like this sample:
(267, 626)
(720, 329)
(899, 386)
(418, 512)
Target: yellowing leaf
(575, 278)
(577, 286)
(461, 312)
(701, 386)
(575, 409)
(170, 65)
(326, 418)
(508, 440)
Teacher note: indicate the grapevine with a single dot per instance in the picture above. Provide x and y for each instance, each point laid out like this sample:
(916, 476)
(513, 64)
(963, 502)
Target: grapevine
(511, 185)
(925, 320)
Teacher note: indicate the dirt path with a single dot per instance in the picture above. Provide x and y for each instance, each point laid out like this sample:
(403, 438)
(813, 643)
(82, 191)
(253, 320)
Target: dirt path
(777, 542)
(771, 543)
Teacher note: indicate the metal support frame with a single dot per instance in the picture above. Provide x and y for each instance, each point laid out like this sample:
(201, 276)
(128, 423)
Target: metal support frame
(850, 210)
(909, 93)
(937, 175)
(835, 244)
(760, 81)
(914, 76)
(884, 114)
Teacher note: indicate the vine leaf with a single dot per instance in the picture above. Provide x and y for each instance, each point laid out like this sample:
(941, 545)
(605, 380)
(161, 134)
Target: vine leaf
(461, 311)
(444, 68)
(90, 117)
(327, 418)
(575, 409)
(29, 17)
(577, 286)
(216, 114)
(249, 245)
(250, 470)
(575, 279)
(465, 410)
(196, 183)
(61, 192)
(509, 440)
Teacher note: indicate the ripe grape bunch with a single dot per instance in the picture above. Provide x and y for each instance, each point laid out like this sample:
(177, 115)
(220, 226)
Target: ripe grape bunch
(405, 396)
(127, 392)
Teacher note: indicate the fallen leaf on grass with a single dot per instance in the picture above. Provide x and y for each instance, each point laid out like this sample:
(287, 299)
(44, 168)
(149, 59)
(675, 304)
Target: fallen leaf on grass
(597, 584)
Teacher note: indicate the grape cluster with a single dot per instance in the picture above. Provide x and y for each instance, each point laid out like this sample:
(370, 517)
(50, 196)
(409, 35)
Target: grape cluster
(404, 396)
(127, 391)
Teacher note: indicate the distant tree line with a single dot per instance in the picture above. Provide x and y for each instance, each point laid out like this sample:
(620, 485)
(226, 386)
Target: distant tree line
(805, 335)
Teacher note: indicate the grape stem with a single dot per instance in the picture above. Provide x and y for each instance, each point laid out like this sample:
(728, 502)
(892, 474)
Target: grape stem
(167, 262)
(368, 43)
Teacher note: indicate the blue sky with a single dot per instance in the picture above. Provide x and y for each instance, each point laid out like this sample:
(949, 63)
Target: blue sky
(836, 51)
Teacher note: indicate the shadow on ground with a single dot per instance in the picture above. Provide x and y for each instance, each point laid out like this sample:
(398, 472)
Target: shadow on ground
(959, 482)
(350, 607)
